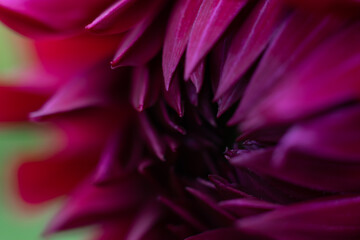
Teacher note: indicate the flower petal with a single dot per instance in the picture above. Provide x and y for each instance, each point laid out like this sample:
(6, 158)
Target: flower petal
(296, 39)
(152, 137)
(327, 78)
(145, 86)
(211, 22)
(123, 15)
(247, 207)
(334, 136)
(141, 43)
(335, 218)
(177, 35)
(38, 18)
(173, 96)
(81, 92)
(43, 180)
(249, 42)
(90, 204)
(222, 233)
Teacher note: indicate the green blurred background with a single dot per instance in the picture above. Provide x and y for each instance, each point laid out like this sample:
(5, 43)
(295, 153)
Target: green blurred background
(19, 221)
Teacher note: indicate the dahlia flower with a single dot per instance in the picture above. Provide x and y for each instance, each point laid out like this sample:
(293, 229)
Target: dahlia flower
(218, 119)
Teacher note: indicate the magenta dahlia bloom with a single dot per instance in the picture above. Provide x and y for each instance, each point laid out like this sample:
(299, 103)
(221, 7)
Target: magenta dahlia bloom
(219, 119)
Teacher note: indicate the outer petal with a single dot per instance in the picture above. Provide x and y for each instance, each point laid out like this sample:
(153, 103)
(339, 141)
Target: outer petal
(40, 181)
(143, 42)
(322, 219)
(66, 57)
(146, 85)
(327, 78)
(335, 136)
(173, 96)
(91, 204)
(42, 178)
(82, 92)
(37, 18)
(17, 102)
(123, 15)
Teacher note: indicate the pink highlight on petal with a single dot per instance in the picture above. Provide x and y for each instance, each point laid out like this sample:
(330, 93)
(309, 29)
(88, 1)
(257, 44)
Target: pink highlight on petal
(140, 87)
(122, 16)
(173, 96)
(249, 42)
(211, 22)
(197, 77)
(177, 35)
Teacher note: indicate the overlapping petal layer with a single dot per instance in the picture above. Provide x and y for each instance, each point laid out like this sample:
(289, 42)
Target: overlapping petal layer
(285, 75)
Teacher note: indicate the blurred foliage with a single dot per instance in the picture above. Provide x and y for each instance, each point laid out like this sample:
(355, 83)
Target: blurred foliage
(15, 52)
(18, 221)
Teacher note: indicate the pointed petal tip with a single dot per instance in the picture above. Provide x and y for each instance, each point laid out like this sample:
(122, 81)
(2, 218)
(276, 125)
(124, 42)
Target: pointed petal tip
(167, 77)
(198, 89)
(218, 94)
(167, 84)
(142, 167)
(89, 26)
(139, 108)
(181, 112)
(40, 115)
(35, 116)
(231, 122)
(162, 158)
(190, 67)
(220, 112)
(181, 130)
(51, 229)
(188, 71)
(112, 64)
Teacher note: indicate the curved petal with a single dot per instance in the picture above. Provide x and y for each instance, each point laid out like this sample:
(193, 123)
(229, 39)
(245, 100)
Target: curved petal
(296, 39)
(90, 204)
(326, 79)
(123, 15)
(177, 35)
(212, 20)
(43, 180)
(249, 42)
(327, 219)
(38, 18)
